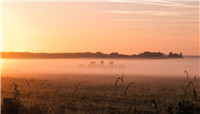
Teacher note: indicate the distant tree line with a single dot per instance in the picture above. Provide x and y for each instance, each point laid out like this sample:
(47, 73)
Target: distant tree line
(146, 54)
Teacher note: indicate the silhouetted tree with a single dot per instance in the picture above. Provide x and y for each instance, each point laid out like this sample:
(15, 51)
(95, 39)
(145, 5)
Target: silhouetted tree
(99, 54)
(175, 55)
(150, 54)
(146, 54)
(113, 54)
(170, 53)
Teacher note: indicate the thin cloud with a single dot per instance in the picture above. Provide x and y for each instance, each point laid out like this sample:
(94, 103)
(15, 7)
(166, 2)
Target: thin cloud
(188, 20)
(147, 2)
(156, 13)
(154, 36)
(157, 25)
(122, 20)
(168, 37)
(157, 2)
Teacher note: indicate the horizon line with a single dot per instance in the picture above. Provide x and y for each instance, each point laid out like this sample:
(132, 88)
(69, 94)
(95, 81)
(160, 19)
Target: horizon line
(91, 52)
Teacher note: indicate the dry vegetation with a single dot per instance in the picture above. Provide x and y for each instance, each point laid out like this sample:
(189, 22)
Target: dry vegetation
(103, 94)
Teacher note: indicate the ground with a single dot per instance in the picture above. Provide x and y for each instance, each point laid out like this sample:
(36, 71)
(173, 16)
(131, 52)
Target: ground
(102, 94)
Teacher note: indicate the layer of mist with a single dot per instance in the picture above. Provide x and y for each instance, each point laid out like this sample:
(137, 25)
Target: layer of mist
(162, 67)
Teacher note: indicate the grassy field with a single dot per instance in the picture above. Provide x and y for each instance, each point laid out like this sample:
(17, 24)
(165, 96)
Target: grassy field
(103, 94)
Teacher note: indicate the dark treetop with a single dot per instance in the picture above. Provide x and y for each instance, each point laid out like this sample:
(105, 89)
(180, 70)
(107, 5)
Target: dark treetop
(28, 55)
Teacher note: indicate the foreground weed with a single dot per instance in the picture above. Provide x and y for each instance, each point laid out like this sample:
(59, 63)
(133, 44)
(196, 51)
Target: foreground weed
(155, 104)
(184, 90)
(54, 99)
(43, 82)
(128, 87)
(120, 78)
(28, 83)
(194, 97)
(162, 90)
(16, 98)
(76, 89)
(187, 75)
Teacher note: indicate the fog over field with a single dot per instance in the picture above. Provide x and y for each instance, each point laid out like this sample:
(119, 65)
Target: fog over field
(161, 67)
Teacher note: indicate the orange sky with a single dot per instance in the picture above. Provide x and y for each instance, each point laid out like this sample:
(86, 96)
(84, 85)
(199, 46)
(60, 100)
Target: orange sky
(123, 27)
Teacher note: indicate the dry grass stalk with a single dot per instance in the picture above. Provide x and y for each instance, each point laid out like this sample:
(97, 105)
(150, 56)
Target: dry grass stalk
(120, 78)
(32, 80)
(58, 91)
(162, 90)
(76, 88)
(194, 91)
(187, 75)
(43, 82)
(128, 87)
(52, 104)
(16, 94)
(184, 90)
(117, 82)
(154, 104)
(28, 84)
(195, 78)
(194, 94)
(190, 83)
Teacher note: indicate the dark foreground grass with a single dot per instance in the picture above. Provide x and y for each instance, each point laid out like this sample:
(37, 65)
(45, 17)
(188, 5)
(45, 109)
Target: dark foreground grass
(100, 94)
